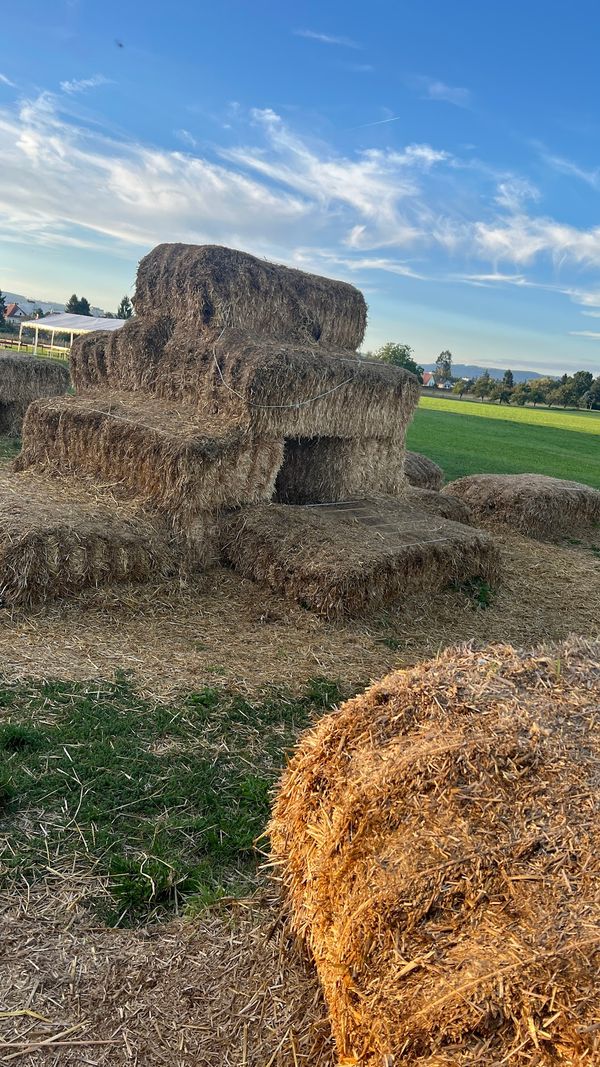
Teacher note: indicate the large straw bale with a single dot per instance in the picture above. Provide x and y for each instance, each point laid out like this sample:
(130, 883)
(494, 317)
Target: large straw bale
(211, 286)
(180, 463)
(324, 469)
(541, 507)
(439, 842)
(348, 559)
(276, 388)
(23, 379)
(422, 472)
(449, 507)
(58, 535)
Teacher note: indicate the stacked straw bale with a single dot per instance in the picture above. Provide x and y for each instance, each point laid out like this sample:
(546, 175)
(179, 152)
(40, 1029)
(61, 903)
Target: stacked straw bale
(422, 472)
(540, 507)
(181, 464)
(439, 843)
(24, 379)
(58, 535)
(318, 469)
(348, 559)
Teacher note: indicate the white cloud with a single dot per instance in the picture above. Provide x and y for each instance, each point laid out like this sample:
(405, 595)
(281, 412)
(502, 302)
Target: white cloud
(6, 81)
(585, 333)
(573, 170)
(186, 138)
(81, 85)
(434, 89)
(327, 38)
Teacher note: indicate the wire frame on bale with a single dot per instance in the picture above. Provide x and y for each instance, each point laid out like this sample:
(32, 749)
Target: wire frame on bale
(422, 472)
(180, 463)
(539, 506)
(355, 556)
(24, 379)
(210, 286)
(439, 843)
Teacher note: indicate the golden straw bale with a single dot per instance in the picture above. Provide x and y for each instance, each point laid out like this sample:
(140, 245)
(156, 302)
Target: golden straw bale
(539, 506)
(439, 843)
(323, 469)
(449, 507)
(350, 558)
(277, 388)
(422, 472)
(181, 463)
(23, 379)
(212, 286)
(58, 535)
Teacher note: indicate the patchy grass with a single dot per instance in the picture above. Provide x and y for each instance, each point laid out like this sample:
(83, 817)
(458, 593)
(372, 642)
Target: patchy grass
(467, 437)
(9, 448)
(167, 801)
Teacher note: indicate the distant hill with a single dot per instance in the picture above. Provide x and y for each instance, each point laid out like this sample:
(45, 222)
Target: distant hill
(29, 304)
(468, 370)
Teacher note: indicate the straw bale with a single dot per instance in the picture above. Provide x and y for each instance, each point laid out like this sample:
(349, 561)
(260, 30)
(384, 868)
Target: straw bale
(277, 388)
(323, 469)
(539, 506)
(212, 286)
(422, 472)
(58, 535)
(23, 379)
(180, 463)
(439, 843)
(449, 507)
(349, 558)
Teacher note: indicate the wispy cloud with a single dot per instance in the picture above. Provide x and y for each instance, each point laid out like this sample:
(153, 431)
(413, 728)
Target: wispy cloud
(435, 89)
(186, 138)
(6, 81)
(81, 85)
(327, 38)
(379, 122)
(591, 336)
(358, 68)
(572, 170)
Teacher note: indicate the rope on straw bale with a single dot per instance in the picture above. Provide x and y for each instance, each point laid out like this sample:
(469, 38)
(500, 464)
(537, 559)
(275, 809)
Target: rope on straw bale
(439, 844)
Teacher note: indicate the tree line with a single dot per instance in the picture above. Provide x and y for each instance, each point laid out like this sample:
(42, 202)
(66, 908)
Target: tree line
(578, 390)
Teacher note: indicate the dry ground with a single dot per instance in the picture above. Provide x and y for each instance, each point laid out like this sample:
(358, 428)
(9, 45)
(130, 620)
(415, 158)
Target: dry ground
(223, 989)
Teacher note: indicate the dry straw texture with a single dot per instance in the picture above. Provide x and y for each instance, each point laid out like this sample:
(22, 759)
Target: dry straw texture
(439, 842)
(322, 469)
(542, 507)
(23, 379)
(423, 472)
(449, 507)
(212, 286)
(350, 558)
(58, 535)
(179, 462)
(288, 389)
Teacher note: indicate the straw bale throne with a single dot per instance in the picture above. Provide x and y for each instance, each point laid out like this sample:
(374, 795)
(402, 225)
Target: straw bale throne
(236, 385)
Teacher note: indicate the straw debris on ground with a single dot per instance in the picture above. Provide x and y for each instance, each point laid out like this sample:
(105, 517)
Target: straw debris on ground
(23, 379)
(539, 506)
(439, 842)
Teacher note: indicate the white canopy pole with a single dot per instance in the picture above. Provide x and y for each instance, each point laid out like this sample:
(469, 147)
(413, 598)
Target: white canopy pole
(20, 335)
(35, 343)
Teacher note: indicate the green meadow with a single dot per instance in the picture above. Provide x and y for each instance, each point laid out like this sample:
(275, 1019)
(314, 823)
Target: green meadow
(468, 437)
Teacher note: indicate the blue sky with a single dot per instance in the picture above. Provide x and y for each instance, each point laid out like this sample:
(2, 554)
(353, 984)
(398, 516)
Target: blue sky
(443, 157)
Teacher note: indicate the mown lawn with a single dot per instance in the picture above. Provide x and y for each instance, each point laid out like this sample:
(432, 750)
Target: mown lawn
(467, 437)
(164, 802)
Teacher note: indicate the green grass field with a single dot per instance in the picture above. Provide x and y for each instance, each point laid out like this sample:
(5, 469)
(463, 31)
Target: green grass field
(467, 437)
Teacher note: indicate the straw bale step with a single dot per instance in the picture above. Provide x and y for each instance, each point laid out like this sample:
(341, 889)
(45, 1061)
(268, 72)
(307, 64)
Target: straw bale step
(349, 558)
(58, 535)
(179, 462)
(23, 379)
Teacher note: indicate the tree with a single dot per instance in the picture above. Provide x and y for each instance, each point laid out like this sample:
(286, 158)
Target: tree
(400, 356)
(462, 385)
(508, 379)
(2, 308)
(75, 306)
(38, 313)
(483, 386)
(582, 382)
(443, 365)
(521, 394)
(500, 393)
(125, 308)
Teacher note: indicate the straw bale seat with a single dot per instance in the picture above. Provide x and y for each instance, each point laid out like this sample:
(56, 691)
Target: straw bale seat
(23, 379)
(439, 843)
(58, 535)
(180, 462)
(348, 558)
(422, 472)
(540, 507)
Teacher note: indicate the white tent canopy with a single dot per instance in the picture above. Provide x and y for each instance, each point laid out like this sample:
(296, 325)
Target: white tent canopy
(71, 324)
